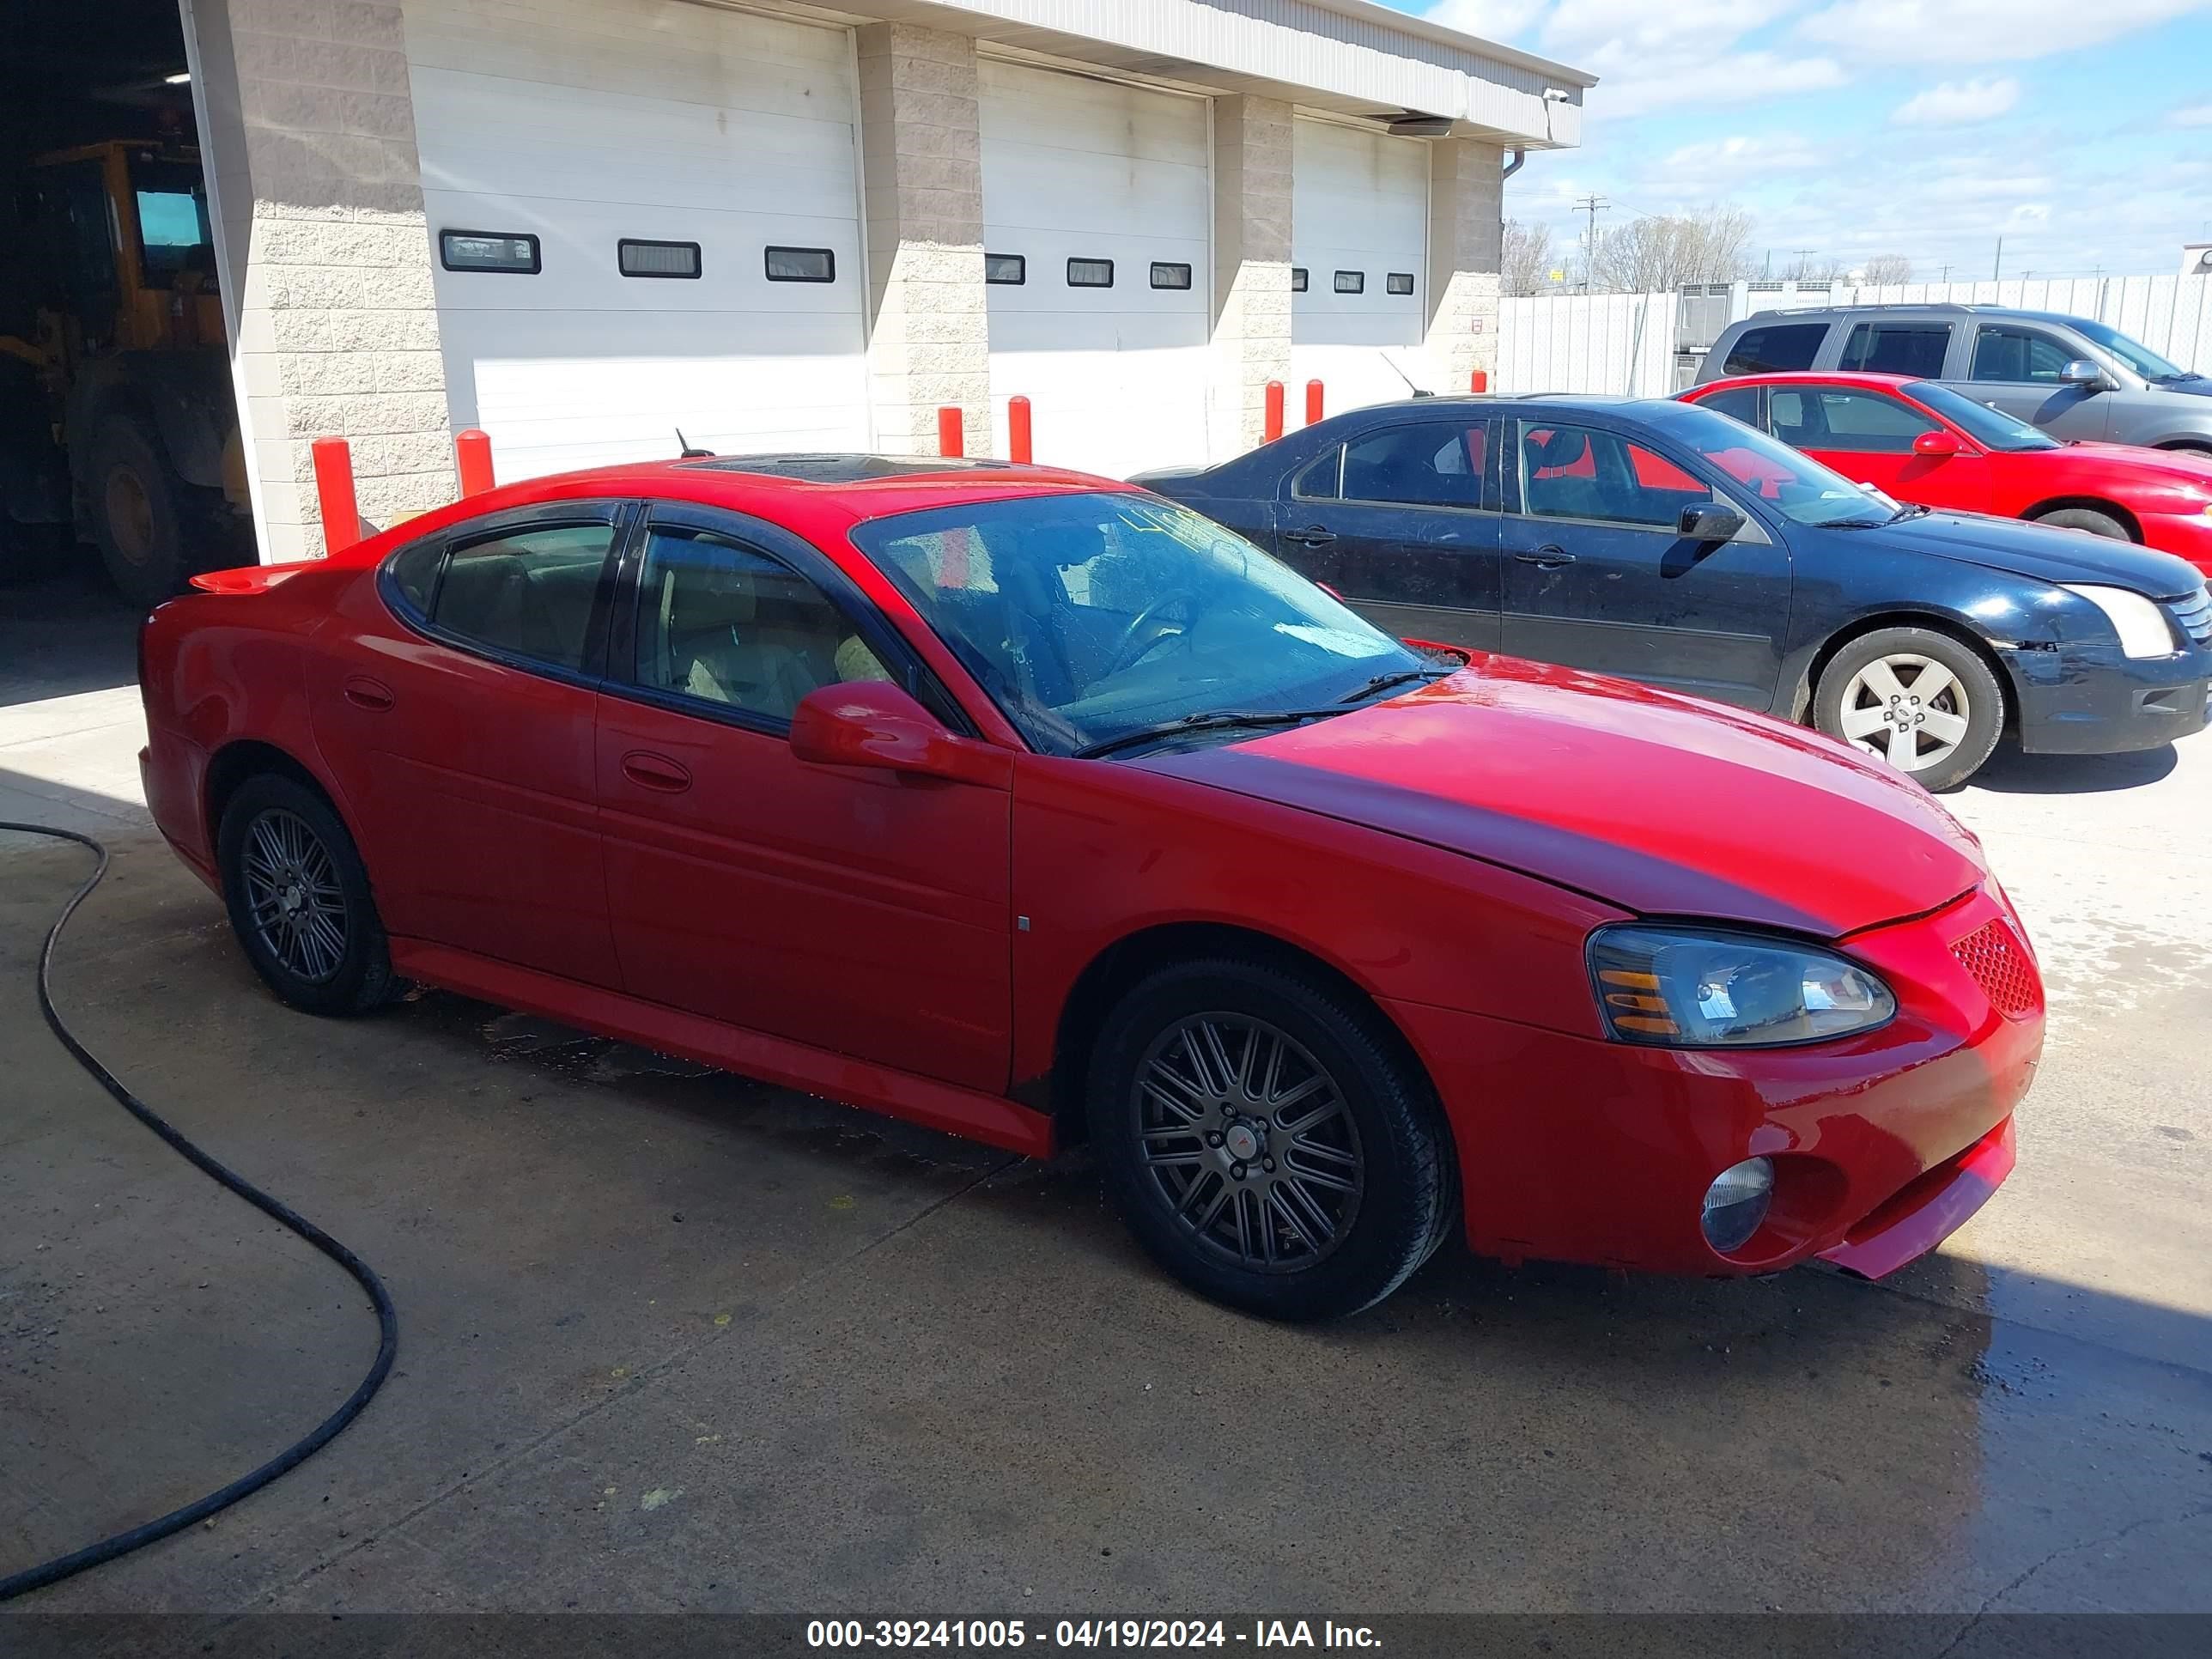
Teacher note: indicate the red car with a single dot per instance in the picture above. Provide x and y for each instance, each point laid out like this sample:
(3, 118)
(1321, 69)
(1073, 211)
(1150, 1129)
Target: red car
(1924, 443)
(1029, 806)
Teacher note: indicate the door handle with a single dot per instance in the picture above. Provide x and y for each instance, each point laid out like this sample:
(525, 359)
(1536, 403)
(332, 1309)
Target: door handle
(365, 693)
(1547, 558)
(655, 772)
(1313, 536)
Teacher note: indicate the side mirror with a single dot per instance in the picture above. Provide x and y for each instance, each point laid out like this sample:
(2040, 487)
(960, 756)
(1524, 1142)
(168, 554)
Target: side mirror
(2082, 372)
(873, 724)
(1712, 522)
(1937, 444)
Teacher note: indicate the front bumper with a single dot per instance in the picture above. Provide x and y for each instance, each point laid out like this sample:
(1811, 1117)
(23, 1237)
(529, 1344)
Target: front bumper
(1577, 1149)
(2090, 700)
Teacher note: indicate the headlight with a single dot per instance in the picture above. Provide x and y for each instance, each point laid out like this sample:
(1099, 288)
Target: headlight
(2139, 625)
(1671, 987)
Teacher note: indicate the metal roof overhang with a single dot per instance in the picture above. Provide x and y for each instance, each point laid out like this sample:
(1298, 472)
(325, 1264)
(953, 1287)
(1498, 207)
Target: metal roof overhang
(1350, 57)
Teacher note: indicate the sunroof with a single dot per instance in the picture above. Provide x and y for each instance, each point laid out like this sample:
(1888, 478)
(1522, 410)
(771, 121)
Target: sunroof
(838, 469)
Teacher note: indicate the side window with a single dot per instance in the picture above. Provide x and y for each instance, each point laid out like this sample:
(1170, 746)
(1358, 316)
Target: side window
(1435, 463)
(415, 570)
(1775, 349)
(1320, 479)
(1914, 348)
(1741, 403)
(528, 594)
(1859, 422)
(723, 624)
(1578, 473)
(2005, 352)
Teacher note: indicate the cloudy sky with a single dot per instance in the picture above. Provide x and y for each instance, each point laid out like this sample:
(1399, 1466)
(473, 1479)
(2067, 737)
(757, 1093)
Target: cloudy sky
(2080, 130)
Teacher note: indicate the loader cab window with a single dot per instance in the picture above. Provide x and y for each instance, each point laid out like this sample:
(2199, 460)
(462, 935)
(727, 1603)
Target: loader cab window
(71, 209)
(173, 223)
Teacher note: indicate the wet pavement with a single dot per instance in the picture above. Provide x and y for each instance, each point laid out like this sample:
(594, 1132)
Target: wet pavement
(673, 1340)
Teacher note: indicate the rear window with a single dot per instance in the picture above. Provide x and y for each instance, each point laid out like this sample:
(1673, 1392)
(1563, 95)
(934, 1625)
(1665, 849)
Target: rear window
(1913, 348)
(1775, 349)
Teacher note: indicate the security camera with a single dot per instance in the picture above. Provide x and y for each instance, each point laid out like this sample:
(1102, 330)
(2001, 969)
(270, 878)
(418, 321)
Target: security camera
(1555, 94)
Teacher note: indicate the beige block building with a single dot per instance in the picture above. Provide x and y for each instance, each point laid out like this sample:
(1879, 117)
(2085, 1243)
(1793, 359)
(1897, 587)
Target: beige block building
(587, 225)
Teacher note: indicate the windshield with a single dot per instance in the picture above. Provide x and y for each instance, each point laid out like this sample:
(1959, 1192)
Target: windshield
(1788, 480)
(1992, 429)
(1091, 617)
(2136, 354)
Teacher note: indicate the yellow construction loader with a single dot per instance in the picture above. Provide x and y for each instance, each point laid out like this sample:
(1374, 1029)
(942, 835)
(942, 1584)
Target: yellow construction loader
(118, 421)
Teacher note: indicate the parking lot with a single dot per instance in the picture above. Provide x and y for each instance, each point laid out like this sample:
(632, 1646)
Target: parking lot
(673, 1340)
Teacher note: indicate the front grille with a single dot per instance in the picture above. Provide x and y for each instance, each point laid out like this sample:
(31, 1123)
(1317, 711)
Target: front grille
(1994, 955)
(2194, 613)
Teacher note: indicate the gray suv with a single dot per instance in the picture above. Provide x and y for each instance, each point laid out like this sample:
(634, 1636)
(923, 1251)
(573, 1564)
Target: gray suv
(2072, 377)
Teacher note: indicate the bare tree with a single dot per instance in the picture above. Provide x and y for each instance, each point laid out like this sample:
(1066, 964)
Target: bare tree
(1814, 268)
(1527, 267)
(1885, 270)
(1666, 250)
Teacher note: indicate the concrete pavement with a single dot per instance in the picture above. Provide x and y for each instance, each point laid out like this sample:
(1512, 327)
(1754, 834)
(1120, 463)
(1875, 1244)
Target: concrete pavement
(671, 1339)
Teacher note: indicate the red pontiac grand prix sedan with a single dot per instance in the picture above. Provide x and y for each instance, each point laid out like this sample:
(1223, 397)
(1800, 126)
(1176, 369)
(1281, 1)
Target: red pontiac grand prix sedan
(1926, 444)
(1029, 806)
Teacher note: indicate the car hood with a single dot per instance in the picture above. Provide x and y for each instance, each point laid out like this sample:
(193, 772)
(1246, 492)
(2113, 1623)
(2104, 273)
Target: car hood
(2162, 467)
(1663, 804)
(2036, 551)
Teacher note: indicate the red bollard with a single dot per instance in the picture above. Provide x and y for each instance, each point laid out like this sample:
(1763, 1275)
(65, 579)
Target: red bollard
(1275, 411)
(472, 456)
(949, 442)
(1017, 430)
(334, 490)
(1312, 403)
(1481, 382)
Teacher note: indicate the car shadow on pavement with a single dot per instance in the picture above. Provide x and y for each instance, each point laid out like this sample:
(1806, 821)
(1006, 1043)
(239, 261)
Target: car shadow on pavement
(2010, 772)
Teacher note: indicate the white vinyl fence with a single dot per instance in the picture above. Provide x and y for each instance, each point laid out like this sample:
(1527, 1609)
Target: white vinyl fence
(1621, 343)
(1626, 344)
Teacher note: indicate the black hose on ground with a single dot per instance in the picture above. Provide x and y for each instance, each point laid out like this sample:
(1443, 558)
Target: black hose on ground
(388, 1321)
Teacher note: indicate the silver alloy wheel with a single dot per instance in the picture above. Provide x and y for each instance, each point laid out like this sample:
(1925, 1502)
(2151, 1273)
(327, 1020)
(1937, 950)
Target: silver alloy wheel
(1249, 1140)
(292, 892)
(1907, 710)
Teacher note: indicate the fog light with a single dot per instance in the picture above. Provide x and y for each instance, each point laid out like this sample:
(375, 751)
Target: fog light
(1736, 1203)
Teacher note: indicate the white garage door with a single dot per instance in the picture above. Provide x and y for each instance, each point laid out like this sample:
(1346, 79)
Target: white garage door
(708, 137)
(1097, 214)
(1360, 228)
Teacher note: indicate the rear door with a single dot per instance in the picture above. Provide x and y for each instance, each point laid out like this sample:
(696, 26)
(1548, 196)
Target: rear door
(1868, 436)
(454, 705)
(1402, 522)
(2019, 368)
(1597, 577)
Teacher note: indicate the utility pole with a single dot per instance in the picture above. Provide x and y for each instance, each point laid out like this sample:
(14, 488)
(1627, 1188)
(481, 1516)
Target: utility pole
(1592, 205)
(1946, 276)
(1996, 269)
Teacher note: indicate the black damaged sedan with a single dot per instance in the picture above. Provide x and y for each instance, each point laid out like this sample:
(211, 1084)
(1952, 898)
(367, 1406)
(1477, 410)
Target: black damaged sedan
(1669, 543)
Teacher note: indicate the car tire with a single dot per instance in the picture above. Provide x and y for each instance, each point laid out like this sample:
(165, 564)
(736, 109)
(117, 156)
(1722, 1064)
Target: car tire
(2083, 518)
(1881, 674)
(299, 901)
(142, 514)
(1376, 1127)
